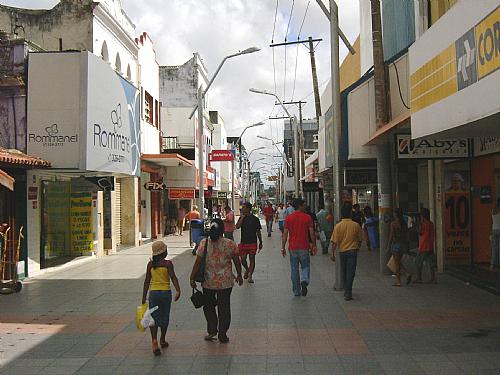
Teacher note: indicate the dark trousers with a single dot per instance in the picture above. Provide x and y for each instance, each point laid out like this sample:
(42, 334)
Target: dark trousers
(348, 261)
(222, 299)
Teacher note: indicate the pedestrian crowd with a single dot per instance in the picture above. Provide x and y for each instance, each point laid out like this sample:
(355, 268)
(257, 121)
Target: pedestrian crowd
(300, 228)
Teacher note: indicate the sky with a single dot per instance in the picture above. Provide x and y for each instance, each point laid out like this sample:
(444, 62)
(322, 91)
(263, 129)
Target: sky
(217, 28)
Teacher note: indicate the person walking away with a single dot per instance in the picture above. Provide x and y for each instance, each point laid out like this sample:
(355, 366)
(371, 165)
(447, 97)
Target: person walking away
(192, 215)
(280, 217)
(289, 209)
(181, 214)
(229, 225)
(325, 223)
(426, 246)
(299, 232)
(250, 231)
(495, 236)
(347, 236)
(357, 215)
(222, 253)
(371, 225)
(398, 244)
(159, 273)
(269, 216)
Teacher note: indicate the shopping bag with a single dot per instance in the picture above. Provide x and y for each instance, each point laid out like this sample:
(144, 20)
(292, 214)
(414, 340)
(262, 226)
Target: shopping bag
(322, 236)
(391, 264)
(147, 320)
(139, 313)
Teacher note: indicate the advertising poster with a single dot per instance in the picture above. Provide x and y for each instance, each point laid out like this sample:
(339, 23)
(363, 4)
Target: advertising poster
(56, 219)
(457, 215)
(81, 223)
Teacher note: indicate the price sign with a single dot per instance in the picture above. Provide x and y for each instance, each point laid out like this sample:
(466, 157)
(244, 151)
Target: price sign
(457, 225)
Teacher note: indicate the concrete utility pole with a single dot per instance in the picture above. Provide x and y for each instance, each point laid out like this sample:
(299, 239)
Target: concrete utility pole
(317, 100)
(201, 146)
(382, 115)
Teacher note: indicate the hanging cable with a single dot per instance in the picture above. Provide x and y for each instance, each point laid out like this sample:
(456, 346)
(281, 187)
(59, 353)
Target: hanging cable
(286, 36)
(399, 87)
(272, 41)
(297, 55)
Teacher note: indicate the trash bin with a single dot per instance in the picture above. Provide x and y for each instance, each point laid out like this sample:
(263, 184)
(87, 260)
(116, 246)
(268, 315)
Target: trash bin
(197, 232)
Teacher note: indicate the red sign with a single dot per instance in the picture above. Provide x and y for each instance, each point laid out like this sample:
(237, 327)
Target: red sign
(180, 193)
(221, 155)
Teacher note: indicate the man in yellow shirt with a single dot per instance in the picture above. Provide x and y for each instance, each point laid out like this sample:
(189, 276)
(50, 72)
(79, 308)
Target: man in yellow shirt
(347, 236)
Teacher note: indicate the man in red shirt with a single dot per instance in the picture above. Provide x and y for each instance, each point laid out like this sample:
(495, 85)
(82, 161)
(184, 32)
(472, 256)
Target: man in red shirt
(299, 229)
(269, 215)
(426, 246)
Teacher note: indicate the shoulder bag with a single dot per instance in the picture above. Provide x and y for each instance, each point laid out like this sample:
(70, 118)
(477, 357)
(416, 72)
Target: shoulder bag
(200, 275)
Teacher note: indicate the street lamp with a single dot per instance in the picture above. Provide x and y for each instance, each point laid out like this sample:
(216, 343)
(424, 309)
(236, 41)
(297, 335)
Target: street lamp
(199, 107)
(255, 149)
(295, 136)
(238, 141)
(255, 161)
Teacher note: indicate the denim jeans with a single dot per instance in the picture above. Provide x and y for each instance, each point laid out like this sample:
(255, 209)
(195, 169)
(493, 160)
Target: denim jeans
(269, 225)
(495, 247)
(348, 261)
(162, 299)
(299, 259)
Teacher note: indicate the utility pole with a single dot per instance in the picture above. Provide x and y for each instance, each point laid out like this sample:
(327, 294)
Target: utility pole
(317, 100)
(382, 115)
(201, 163)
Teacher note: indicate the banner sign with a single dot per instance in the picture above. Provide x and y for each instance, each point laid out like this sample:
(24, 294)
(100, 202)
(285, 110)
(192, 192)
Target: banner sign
(407, 148)
(180, 193)
(457, 215)
(222, 194)
(222, 155)
(82, 234)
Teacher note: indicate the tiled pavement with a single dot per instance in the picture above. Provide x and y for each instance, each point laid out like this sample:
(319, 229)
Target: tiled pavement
(80, 320)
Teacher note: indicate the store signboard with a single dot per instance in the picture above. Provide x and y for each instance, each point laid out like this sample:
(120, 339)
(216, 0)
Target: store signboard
(222, 155)
(155, 186)
(486, 145)
(112, 121)
(180, 193)
(82, 230)
(222, 194)
(456, 60)
(360, 177)
(88, 120)
(423, 148)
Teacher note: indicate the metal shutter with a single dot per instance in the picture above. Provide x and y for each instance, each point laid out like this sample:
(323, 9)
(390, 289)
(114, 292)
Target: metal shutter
(117, 213)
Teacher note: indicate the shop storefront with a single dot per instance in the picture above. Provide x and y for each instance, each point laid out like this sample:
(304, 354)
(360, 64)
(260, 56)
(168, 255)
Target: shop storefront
(87, 204)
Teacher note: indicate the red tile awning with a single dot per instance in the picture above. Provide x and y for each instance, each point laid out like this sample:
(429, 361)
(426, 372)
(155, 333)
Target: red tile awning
(380, 136)
(6, 180)
(20, 159)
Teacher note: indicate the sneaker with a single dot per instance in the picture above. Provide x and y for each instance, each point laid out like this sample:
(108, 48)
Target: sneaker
(348, 298)
(304, 284)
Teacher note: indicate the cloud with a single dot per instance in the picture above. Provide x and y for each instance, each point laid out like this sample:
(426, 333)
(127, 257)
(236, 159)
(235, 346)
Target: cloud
(216, 28)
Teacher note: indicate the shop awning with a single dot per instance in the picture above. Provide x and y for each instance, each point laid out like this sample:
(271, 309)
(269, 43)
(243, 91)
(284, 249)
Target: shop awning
(382, 134)
(167, 160)
(16, 158)
(6, 180)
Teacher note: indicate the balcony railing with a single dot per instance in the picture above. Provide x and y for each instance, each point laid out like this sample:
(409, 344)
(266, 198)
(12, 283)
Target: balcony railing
(172, 143)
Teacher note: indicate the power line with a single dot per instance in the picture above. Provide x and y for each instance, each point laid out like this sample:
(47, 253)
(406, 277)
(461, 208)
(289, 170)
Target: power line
(297, 55)
(286, 36)
(272, 41)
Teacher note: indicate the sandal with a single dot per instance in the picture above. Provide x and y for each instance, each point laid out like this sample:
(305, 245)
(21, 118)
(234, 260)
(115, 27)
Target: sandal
(164, 344)
(250, 280)
(210, 337)
(156, 349)
(245, 276)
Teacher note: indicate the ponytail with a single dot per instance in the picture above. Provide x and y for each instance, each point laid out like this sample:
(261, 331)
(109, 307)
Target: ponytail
(156, 260)
(216, 229)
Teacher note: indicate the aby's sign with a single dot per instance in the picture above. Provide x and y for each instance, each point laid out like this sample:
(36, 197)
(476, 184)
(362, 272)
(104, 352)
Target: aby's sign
(424, 148)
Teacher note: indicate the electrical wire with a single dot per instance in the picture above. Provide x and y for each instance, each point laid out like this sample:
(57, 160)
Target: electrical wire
(399, 87)
(297, 55)
(272, 41)
(286, 36)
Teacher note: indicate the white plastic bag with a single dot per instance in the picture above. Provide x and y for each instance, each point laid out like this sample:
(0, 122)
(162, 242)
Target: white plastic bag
(322, 236)
(147, 320)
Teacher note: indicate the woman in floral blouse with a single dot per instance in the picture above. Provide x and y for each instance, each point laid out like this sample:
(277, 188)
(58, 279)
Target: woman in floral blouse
(219, 280)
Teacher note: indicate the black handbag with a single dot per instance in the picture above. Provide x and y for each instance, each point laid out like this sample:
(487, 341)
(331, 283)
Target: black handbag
(198, 298)
(200, 275)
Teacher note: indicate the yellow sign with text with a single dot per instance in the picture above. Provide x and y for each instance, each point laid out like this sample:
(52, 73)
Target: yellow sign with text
(488, 44)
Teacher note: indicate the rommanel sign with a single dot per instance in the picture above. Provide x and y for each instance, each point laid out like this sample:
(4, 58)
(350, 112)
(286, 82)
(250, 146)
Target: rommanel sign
(425, 148)
(90, 122)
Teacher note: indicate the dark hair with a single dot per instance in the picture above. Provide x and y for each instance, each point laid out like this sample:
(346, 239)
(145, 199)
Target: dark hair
(398, 213)
(227, 207)
(346, 211)
(248, 205)
(155, 262)
(368, 211)
(297, 202)
(426, 214)
(216, 229)
(356, 206)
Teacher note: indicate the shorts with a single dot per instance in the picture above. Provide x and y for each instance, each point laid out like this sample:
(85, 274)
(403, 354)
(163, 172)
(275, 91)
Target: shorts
(247, 248)
(281, 224)
(428, 257)
(162, 299)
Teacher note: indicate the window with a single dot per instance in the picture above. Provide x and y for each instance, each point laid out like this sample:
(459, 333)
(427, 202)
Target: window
(437, 8)
(157, 114)
(104, 51)
(118, 63)
(148, 108)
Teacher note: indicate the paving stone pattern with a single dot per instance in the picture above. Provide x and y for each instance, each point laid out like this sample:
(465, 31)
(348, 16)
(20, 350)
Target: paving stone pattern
(80, 320)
